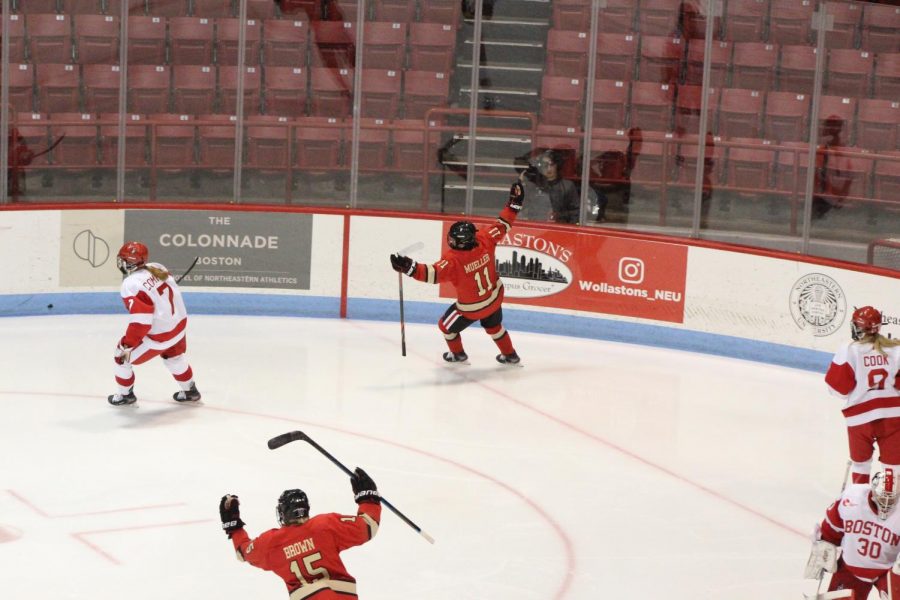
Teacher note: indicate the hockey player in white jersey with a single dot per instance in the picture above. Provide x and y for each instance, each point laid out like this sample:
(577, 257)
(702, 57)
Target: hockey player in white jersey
(157, 325)
(865, 372)
(858, 541)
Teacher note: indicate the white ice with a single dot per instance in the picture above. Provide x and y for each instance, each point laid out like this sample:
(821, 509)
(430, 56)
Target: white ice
(598, 470)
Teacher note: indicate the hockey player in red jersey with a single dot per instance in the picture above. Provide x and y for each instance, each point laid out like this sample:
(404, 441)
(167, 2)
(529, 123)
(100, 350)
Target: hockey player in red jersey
(305, 551)
(156, 326)
(865, 526)
(469, 265)
(865, 371)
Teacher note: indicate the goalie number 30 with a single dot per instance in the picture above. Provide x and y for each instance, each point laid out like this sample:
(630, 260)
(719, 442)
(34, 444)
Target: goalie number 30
(869, 548)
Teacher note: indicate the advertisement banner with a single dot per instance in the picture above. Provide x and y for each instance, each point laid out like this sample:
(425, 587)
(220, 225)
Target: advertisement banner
(233, 249)
(89, 241)
(594, 273)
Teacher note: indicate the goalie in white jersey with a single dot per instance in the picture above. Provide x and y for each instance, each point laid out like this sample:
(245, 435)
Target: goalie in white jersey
(859, 539)
(865, 372)
(157, 325)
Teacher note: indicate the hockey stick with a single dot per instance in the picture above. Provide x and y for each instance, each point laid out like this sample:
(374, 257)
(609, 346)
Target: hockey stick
(411, 248)
(189, 269)
(292, 436)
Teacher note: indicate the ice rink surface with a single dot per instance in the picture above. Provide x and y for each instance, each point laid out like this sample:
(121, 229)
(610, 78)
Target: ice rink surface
(597, 470)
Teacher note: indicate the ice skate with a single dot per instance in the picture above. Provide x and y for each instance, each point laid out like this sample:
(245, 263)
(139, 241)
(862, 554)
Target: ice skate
(191, 395)
(456, 357)
(508, 359)
(122, 399)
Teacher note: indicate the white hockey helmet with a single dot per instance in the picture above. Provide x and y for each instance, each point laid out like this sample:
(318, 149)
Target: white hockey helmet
(885, 492)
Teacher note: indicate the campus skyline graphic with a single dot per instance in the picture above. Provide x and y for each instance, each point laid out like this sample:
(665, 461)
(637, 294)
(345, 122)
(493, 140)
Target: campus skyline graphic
(532, 268)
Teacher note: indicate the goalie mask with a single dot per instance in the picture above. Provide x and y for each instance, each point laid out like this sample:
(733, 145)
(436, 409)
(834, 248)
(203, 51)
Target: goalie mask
(132, 256)
(293, 507)
(884, 492)
(461, 235)
(866, 321)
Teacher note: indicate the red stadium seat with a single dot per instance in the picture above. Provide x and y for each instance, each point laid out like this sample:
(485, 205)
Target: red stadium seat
(786, 116)
(849, 72)
(82, 7)
(562, 101)
(286, 91)
(166, 8)
(227, 33)
(228, 86)
(567, 53)
(260, 9)
(374, 144)
(847, 18)
(648, 165)
(213, 9)
(571, 14)
(616, 55)
(21, 87)
(146, 40)
(568, 141)
(385, 45)
(694, 21)
(331, 91)
(97, 39)
(173, 145)
(135, 140)
(394, 11)
(34, 128)
(408, 141)
(839, 108)
(688, 150)
(58, 88)
(113, 7)
(887, 77)
(790, 167)
(851, 168)
(333, 44)
(878, 124)
(608, 156)
(148, 89)
(31, 7)
(267, 146)
(661, 59)
(190, 41)
(880, 24)
(651, 105)
(216, 147)
(720, 63)
(754, 65)
(345, 10)
(797, 70)
(616, 17)
(790, 21)
(80, 148)
(285, 43)
(658, 17)
(49, 38)
(16, 39)
(193, 89)
(318, 144)
(745, 20)
(740, 113)
(440, 11)
(380, 93)
(101, 88)
(423, 90)
(310, 10)
(750, 164)
(610, 103)
(431, 46)
(687, 108)
(887, 177)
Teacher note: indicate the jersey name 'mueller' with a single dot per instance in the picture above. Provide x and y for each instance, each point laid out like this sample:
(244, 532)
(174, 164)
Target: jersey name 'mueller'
(472, 266)
(299, 548)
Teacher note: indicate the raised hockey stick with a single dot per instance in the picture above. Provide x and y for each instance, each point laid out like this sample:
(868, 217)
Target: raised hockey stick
(404, 252)
(189, 269)
(292, 436)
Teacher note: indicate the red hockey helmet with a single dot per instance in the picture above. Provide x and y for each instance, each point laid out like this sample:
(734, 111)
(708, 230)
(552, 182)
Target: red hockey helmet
(866, 321)
(132, 256)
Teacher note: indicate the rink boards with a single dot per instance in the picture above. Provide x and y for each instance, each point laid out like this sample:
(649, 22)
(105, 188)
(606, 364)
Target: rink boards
(760, 305)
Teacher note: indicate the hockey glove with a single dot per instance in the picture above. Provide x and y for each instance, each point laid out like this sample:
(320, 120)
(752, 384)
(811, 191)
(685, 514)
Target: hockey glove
(822, 557)
(230, 513)
(364, 489)
(516, 196)
(123, 352)
(403, 264)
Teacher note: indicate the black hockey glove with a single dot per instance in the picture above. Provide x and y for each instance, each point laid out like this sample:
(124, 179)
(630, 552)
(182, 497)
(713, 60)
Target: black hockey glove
(403, 264)
(364, 489)
(230, 513)
(516, 196)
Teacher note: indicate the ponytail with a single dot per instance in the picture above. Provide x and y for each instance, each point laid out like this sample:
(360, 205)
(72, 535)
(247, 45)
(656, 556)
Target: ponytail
(158, 271)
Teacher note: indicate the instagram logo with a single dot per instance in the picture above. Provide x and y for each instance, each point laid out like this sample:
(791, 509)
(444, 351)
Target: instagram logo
(631, 270)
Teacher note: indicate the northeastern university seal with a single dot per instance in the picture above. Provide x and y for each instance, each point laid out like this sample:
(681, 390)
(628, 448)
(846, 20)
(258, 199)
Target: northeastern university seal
(818, 304)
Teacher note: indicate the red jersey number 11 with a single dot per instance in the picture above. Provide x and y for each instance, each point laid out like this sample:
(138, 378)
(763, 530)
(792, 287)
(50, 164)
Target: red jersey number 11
(487, 281)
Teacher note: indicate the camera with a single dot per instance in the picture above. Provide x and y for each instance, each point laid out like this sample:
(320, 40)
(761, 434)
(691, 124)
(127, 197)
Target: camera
(536, 171)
